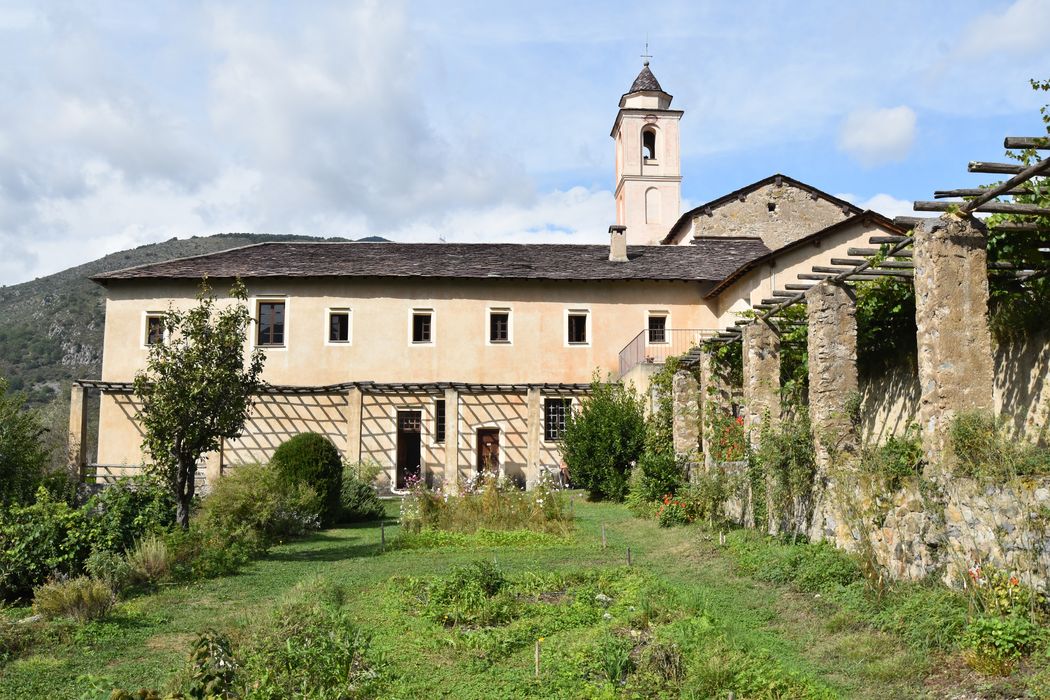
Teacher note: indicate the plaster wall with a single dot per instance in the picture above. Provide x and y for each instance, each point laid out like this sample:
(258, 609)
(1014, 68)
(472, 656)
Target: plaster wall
(380, 348)
(759, 282)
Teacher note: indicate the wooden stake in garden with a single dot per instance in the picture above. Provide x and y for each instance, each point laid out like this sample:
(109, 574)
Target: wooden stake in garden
(538, 641)
(382, 536)
(603, 535)
(628, 556)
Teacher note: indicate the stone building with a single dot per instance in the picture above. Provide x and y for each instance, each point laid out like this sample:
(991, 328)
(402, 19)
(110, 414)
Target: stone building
(440, 359)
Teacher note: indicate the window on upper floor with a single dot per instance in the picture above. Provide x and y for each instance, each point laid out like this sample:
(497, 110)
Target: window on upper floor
(499, 326)
(422, 326)
(339, 325)
(271, 317)
(649, 145)
(154, 329)
(577, 327)
(555, 412)
(657, 328)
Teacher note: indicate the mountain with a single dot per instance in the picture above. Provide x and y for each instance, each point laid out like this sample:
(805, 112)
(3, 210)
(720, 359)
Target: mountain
(52, 326)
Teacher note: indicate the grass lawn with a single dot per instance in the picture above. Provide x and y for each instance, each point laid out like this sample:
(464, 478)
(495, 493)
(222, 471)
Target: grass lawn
(792, 633)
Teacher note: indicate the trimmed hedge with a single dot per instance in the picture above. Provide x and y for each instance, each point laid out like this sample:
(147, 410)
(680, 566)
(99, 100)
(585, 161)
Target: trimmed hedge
(312, 459)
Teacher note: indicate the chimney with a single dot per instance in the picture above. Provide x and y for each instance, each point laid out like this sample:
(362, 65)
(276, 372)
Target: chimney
(617, 243)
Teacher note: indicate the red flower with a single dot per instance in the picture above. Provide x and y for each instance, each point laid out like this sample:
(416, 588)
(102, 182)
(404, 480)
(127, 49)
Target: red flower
(1014, 581)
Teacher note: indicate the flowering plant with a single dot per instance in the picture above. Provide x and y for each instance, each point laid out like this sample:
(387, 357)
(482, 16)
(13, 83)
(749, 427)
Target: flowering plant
(672, 512)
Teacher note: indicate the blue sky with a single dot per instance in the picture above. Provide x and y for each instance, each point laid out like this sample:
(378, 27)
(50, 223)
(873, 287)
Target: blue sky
(128, 123)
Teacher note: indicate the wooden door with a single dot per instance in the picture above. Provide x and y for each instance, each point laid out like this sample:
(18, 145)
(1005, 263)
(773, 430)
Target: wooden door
(409, 443)
(488, 449)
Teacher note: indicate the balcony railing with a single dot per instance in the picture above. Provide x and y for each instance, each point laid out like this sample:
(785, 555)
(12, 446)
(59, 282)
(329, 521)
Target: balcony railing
(655, 346)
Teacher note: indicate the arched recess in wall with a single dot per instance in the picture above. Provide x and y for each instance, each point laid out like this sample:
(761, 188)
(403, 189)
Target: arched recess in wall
(649, 143)
(652, 206)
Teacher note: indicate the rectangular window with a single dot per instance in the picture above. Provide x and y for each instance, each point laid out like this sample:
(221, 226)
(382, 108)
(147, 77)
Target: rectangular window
(338, 326)
(555, 411)
(154, 329)
(657, 329)
(271, 323)
(499, 326)
(439, 420)
(577, 328)
(421, 326)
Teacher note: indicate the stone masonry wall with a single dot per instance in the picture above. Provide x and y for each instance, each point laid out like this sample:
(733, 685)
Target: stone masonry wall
(795, 214)
(954, 344)
(685, 424)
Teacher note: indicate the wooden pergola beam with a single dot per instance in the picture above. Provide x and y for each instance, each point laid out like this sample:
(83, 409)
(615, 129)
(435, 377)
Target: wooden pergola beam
(978, 191)
(882, 240)
(869, 252)
(979, 166)
(987, 207)
(1025, 143)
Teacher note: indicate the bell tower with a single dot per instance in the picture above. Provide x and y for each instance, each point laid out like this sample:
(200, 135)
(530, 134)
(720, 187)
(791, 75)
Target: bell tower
(648, 163)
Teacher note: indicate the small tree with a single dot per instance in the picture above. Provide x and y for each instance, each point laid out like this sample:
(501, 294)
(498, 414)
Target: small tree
(603, 438)
(23, 457)
(196, 389)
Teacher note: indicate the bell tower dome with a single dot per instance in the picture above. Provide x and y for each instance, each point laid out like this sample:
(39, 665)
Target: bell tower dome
(648, 162)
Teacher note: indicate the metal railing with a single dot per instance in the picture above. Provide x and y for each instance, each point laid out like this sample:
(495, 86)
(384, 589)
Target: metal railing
(654, 346)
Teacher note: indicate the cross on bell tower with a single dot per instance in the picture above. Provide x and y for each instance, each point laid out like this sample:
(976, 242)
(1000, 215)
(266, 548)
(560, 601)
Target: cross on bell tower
(648, 162)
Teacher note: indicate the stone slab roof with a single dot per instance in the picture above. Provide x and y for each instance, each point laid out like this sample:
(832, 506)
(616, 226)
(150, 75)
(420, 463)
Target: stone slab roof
(706, 261)
(645, 81)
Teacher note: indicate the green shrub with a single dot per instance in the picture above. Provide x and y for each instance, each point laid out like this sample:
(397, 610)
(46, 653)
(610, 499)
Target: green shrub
(603, 438)
(126, 511)
(638, 500)
(705, 496)
(310, 647)
(110, 568)
(80, 598)
(150, 561)
(672, 512)
(258, 499)
(613, 656)
(925, 616)
(786, 463)
(662, 473)
(996, 643)
(39, 542)
(312, 459)
(23, 456)
(981, 448)
(358, 499)
(469, 595)
(900, 457)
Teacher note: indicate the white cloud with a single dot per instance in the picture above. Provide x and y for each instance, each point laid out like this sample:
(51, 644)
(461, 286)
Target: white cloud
(885, 204)
(878, 136)
(1019, 30)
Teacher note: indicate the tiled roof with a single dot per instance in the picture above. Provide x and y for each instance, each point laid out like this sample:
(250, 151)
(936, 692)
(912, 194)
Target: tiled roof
(707, 261)
(645, 81)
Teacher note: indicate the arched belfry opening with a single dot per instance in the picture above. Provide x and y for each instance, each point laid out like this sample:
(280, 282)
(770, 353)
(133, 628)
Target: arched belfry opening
(649, 144)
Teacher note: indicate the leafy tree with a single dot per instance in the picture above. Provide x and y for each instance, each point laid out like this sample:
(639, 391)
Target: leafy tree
(23, 457)
(603, 438)
(196, 389)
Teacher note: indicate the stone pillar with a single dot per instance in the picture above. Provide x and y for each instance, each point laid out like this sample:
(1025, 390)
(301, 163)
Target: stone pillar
(716, 396)
(452, 440)
(353, 425)
(535, 415)
(761, 378)
(76, 450)
(685, 416)
(956, 370)
(831, 313)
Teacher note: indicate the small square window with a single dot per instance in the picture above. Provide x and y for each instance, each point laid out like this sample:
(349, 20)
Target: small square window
(271, 323)
(555, 413)
(439, 420)
(499, 327)
(657, 329)
(577, 329)
(339, 327)
(421, 327)
(154, 329)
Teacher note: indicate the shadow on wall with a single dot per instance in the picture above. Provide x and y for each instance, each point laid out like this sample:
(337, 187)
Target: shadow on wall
(890, 401)
(1021, 369)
